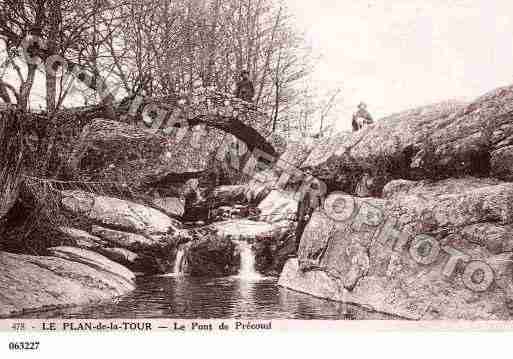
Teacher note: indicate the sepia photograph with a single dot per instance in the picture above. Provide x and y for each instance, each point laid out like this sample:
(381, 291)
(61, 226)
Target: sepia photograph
(254, 165)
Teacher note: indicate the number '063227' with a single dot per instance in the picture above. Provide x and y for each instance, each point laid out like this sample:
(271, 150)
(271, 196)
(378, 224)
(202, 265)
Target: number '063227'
(23, 345)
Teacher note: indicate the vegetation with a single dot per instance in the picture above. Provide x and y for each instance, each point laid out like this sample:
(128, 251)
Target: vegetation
(103, 55)
(101, 51)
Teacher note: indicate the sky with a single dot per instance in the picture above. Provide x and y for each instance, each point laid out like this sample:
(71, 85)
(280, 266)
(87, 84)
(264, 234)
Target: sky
(399, 54)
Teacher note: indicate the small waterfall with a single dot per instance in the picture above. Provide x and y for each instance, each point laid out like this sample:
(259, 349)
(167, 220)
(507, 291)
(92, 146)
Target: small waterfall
(177, 268)
(247, 260)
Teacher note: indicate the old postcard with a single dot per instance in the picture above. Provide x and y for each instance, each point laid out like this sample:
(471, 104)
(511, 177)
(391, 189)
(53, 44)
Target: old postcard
(255, 166)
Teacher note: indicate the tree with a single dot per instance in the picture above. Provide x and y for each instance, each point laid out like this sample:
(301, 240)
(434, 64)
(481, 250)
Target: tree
(98, 52)
(51, 36)
(171, 46)
(324, 111)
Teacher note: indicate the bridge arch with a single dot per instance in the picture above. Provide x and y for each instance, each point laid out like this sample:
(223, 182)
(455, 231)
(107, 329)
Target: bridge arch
(212, 108)
(128, 151)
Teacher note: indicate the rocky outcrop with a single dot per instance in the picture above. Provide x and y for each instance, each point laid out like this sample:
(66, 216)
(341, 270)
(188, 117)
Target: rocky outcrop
(237, 211)
(297, 152)
(135, 156)
(278, 206)
(452, 203)
(382, 151)
(172, 206)
(464, 143)
(132, 241)
(272, 243)
(429, 250)
(271, 253)
(227, 195)
(152, 253)
(203, 208)
(91, 259)
(260, 185)
(501, 163)
(140, 237)
(444, 140)
(138, 263)
(118, 213)
(82, 239)
(209, 255)
(75, 277)
(241, 198)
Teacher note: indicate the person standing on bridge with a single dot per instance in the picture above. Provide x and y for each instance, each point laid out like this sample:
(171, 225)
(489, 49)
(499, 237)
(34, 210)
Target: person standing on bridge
(245, 89)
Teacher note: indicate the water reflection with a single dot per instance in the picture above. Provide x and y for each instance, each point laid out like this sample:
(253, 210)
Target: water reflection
(209, 298)
(251, 297)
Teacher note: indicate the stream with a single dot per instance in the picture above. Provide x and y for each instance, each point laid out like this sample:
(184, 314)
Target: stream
(247, 295)
(181, 297)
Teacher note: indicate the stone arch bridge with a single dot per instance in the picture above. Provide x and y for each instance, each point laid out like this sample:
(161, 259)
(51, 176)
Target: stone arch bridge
(215, 109)
(135, 150)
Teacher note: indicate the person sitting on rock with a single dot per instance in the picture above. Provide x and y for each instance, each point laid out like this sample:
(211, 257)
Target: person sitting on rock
(361, 118)
(245, 89)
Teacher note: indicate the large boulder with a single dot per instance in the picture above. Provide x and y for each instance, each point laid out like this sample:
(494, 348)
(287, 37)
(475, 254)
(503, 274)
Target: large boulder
(136, 262)
(153, 252)
(448, 139)
(30, 283)
(271, 253)
(209, 255)
(501, 162)
(428, 251)
(383, 150)
(202, 208)
(92, 259)
(494, 237)
(260, 185)
(297, 152)
(452, 203)
(118, 213)
(118, 152)
(172, 206)
(465, 143)
(120, 255)
(278, 206)
(132, 241)
(82, 238)
(272, 243)
(227, 195)
(237, 211)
